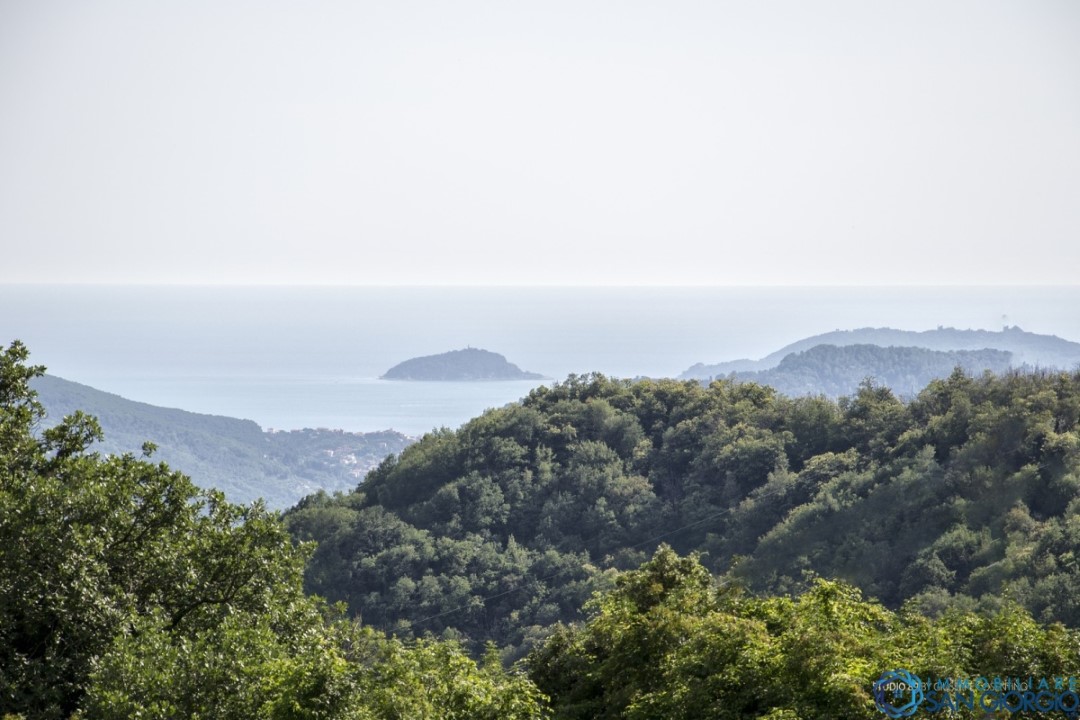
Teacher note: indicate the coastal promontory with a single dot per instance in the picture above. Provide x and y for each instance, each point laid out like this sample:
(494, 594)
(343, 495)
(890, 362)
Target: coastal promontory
(470, 364)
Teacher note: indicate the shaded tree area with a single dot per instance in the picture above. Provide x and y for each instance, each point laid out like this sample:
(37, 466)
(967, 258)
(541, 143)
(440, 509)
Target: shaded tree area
(963, 496)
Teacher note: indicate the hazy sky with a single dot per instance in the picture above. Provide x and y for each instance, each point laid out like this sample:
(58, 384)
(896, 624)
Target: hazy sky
(540, 142)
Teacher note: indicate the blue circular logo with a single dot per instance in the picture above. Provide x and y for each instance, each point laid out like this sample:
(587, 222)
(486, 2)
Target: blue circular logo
(898, 693)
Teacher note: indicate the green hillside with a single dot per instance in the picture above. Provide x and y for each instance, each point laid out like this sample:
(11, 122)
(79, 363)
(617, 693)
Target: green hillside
(838, 370)
(1028, 349)
(498, 530)
(126, 591)
(235, 456)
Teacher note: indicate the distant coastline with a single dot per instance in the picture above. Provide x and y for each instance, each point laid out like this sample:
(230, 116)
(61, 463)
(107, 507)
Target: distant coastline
(293, 357)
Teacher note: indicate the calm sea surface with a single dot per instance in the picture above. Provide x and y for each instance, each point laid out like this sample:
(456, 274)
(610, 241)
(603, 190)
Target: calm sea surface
(291, 357)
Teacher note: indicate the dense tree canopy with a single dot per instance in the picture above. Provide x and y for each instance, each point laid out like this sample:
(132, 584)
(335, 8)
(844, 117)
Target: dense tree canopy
(493, 532)
(127, 592)
(669, 642)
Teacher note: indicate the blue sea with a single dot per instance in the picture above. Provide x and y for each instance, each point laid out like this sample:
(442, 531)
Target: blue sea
(293, 357)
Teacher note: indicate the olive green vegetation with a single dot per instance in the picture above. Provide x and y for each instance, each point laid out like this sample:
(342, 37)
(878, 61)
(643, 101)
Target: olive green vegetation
(669, 643)
(963, 497)
(128, 592)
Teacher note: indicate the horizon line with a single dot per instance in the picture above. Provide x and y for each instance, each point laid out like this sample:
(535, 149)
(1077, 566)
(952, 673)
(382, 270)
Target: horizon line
(613, 286)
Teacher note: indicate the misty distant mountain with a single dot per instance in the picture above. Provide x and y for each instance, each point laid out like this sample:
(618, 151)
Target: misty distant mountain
(470, 364)
(836, 371)
(1027, 349)
(232, 455)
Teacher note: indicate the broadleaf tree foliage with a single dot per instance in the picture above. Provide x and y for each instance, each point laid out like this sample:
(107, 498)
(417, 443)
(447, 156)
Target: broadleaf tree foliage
(127, 592)
(964, 496)
(669, 642)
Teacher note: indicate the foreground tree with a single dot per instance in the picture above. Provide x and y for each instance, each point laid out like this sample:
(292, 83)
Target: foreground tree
(127, 592)
(89, 544)
(256, 668)
(669, 642)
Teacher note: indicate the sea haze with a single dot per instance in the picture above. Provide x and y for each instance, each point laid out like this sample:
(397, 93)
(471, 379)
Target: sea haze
(292, 357)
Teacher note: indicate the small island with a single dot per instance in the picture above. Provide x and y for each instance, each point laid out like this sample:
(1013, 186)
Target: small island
(470, 364)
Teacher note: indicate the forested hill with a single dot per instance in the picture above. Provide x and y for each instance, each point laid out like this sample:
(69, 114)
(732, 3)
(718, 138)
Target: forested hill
(1030, 349)
(836, 371)
(503, 527)
(125, 591)
(235, 456)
